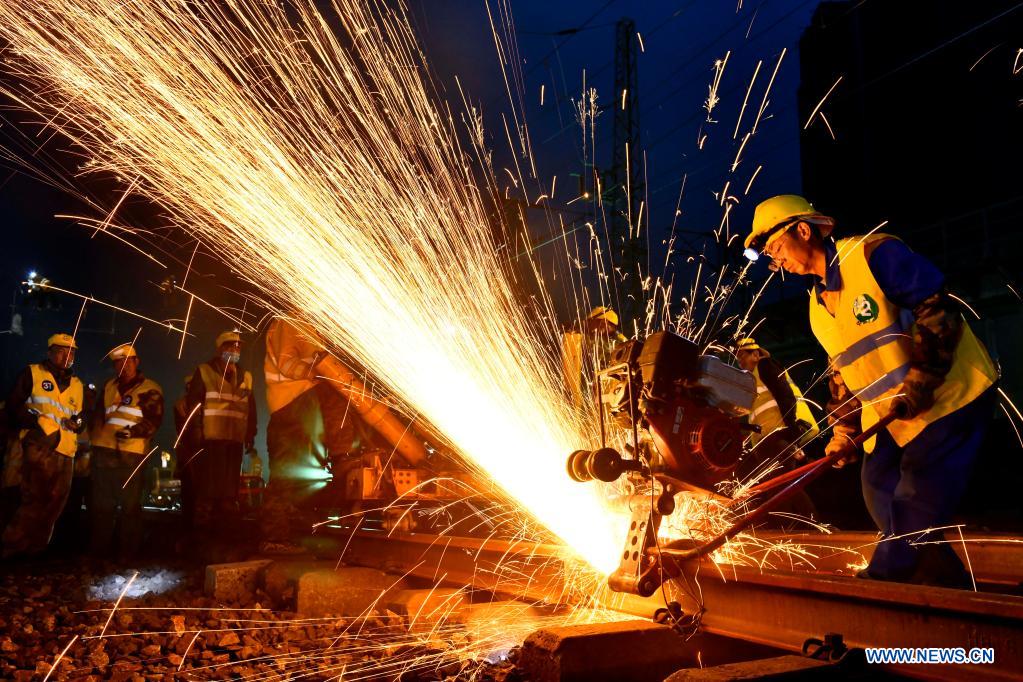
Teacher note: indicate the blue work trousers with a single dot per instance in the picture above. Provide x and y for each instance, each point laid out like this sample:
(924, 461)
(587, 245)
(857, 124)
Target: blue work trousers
(919, 486)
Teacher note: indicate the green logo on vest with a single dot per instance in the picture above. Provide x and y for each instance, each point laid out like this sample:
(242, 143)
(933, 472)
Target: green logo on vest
(865, 309)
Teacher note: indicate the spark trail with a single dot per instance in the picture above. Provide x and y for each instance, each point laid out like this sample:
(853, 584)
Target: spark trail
(312, 153)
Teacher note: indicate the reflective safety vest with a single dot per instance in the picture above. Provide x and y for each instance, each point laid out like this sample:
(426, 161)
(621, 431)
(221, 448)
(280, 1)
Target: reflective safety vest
(581, 355)
(122, 411)
(291, 357)
(768, 416)
(870, 340)
(225, 412)
(53, 406)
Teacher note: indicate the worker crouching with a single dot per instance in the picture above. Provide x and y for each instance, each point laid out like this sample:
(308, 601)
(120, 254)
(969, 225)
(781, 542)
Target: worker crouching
(783, 418)
(899, 344)
(132, 411)
(223, 428)
(311, 424)
(586, 349)
(46, 405)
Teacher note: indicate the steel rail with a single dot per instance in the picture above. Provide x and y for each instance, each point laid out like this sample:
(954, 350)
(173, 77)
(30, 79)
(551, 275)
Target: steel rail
(996, 559)
(778, 608)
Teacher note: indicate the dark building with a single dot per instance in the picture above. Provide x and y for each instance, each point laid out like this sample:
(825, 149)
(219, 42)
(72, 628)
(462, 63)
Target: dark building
(926, 119)
(925, 130)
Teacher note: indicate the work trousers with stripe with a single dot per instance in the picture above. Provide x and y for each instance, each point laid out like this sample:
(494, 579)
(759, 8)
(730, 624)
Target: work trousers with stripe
(919, 486)
(300, 439)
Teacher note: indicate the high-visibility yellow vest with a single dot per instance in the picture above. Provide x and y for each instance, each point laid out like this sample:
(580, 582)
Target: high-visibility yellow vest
(289, 364)
(225, 412)
(53, 406)
(580, 355)
(870, 339)
(122, 411)
(768, 416)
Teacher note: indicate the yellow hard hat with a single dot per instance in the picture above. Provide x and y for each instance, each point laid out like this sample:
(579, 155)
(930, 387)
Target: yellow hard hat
(603, 313)
(749, 344)
(61, 340)
(784, 208)
(228, 337)
(125, 350)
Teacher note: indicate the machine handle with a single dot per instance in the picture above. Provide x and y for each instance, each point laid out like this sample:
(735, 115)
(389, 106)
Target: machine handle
(772, 483)
(804, 476)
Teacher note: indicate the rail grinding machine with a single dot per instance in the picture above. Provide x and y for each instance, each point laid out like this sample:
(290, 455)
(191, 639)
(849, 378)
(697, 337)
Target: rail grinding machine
(686, 412)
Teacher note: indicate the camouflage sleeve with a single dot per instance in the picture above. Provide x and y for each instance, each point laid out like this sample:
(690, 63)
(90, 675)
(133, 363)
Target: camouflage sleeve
(939, 326)
(843, 407)
(151, 404)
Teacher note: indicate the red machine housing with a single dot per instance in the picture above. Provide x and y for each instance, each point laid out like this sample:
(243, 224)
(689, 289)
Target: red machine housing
(684, 408)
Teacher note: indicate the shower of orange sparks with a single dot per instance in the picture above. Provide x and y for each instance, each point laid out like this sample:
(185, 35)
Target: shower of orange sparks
(715, 296)
(322, 170)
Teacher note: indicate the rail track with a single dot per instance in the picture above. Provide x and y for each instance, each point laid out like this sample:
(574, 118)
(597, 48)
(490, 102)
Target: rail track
(777, 606)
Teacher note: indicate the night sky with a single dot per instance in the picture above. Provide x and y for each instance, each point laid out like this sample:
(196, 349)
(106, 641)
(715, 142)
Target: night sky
(681, 40)
(557, 43)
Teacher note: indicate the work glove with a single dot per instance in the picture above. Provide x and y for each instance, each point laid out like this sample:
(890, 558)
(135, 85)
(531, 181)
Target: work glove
(917, 394)
(842, 442)
(73, 424)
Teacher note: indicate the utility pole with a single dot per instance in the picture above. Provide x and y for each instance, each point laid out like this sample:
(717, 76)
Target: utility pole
(626, 189)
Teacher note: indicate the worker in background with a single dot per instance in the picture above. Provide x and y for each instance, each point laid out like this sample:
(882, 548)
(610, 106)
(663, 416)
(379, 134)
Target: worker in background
(899, 343)
(220, 432)
(46, 405)
(587, 349)
(132, 411)
(783, 417)
(311, 424)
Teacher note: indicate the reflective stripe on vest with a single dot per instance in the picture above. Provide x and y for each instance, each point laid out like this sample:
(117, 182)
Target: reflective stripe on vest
(225, 412)
(870, 341)
(53, 406)
(766, 414)
(121, 411)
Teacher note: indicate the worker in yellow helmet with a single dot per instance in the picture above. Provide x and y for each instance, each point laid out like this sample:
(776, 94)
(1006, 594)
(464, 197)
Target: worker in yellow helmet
(899, 343)
(223, 427)
(586, 349)
(785, 421)
(121, 432)
(310, 422)
(47, 405)
(779, 408)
